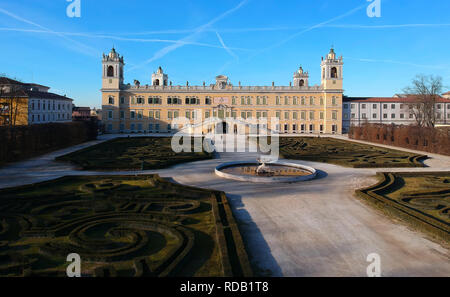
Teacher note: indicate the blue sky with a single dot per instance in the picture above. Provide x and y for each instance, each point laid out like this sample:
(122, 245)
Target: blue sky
(252, 41)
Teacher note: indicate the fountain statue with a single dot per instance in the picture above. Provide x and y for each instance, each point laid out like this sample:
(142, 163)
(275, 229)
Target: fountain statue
(263, 169)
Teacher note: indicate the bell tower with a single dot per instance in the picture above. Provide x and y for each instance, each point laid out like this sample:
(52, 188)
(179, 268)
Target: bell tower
(112, 70)
(301, 78)
(332, 71)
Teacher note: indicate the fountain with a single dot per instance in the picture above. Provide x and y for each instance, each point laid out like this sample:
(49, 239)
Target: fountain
(265, 170)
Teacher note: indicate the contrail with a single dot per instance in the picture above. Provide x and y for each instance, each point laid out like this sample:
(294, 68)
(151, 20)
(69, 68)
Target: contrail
(143, 40)
(164, 51)
(225, 47)
(397, 62)
(91, 51)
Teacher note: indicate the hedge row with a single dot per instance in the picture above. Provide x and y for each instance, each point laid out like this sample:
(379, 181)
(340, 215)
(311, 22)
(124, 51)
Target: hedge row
(431, 140)
(413, 216)
(23, 142)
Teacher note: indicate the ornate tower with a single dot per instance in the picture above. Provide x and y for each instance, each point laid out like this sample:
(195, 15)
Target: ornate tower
(159, 78)
(112, 70)
(332, 71)
(301, 78)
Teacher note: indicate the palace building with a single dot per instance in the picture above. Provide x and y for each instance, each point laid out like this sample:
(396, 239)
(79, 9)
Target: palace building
(150, 108)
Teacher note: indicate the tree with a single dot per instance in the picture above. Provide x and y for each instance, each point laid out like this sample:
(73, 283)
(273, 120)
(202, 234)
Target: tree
(425, 91)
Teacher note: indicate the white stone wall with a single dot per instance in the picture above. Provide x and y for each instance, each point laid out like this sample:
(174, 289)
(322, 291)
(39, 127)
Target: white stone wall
(357, 113)
(42, 111)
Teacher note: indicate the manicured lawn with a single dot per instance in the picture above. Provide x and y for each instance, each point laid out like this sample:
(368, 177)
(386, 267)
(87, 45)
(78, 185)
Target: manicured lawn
(134, 153)
(345, 153)
(422, 199)
(120, 226)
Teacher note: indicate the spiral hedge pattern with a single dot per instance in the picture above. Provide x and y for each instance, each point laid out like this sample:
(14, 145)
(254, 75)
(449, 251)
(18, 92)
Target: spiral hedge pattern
(120, 226)
(419, 198)
(346, 153)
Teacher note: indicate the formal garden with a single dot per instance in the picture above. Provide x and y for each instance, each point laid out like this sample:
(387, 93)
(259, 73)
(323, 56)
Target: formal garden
(422, 199)
(120, 226)
(132, 153)
(346, 153)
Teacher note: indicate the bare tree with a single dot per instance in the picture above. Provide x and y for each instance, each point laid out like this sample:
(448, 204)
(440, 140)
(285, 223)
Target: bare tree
(425, 91)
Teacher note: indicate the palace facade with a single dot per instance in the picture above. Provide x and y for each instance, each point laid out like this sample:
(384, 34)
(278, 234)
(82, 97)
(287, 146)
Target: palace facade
(151, 108)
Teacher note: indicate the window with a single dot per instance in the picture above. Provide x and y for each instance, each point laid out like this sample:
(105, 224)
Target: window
(374, 106)
(311, 100)
(402, 115)
(384, 106)
(334, 115)
(321, 115)
(402, 106)
(122, 114)
(392, 106)
(110, 114)
(151, 114)
(321, 100)
(352, 106)
(132, 114)
(295, 115)
(140, 100)
(122, 100)
(278, 100)
(249, 101)
(277, 114)
(353, 116)
(363, 115)
(303, 115)
(150, 100)
(111, 100)
(158, 114)
(303, 101)
(286, 100)
(333, 72)
(207, 114)
(345, 106)
(233, 100)
(311, 115)
(438, 106)
(110, 71)
(208, 101)
(286, 115)
(385, 116)
(374, 116)
(363, 106)
(132, 127)
(150, 127)
(243, 114)
(139, 114)
(294, 100)
(333, 100)
(393, 116)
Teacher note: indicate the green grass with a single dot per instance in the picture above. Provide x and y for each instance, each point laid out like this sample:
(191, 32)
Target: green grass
(421, 199)
(346, 153)
(134, 153)
(120, 225)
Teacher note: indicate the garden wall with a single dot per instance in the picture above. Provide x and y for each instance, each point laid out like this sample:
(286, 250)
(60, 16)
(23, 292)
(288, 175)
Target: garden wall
(433, 140)
(23, 142)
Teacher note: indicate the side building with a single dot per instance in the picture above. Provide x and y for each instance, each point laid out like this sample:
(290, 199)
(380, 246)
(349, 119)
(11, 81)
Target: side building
(299, 107)
(28, 104)
(398, 110)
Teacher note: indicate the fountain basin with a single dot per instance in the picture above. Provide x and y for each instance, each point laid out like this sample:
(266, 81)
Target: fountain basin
(281, 172)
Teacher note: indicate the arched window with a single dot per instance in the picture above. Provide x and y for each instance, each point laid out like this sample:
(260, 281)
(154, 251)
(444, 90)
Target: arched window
(110, 71)
(156, 82)
(111, 100)
(301, 83)
(334, 72)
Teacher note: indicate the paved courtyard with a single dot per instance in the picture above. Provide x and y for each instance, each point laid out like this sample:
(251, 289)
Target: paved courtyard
(313, 228)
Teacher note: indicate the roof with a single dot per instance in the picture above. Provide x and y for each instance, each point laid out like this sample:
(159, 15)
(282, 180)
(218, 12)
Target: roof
(35, 94)
(448, 93)
(408, 99)
(8, 81)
